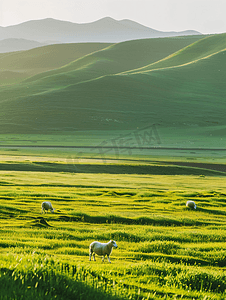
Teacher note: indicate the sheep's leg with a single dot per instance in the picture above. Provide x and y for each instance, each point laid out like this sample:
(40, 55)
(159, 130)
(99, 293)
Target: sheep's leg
(108, 258)
(90, 254)
(94, 256)
(103, 257)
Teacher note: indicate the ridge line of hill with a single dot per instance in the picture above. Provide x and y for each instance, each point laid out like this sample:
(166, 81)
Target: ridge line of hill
(82, 57)
(171, 67)
(67, 65)
(164, 59)
(161, 60)
(181, 54)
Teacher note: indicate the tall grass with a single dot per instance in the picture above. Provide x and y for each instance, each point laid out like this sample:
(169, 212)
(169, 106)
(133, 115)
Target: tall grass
(42, 276)
(38, 277)
(166, 251)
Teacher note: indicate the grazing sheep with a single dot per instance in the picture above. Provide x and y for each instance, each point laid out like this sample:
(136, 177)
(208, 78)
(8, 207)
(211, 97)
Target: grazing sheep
(101, 249)
(191, 204)
(46, 205)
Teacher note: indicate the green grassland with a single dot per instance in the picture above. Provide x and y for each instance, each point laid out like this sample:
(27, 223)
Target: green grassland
(165, 250)
(176, 83)
(118, 137)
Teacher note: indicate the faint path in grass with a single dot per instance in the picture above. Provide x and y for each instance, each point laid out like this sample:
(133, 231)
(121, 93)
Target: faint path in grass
(216, 167)
(113, 148)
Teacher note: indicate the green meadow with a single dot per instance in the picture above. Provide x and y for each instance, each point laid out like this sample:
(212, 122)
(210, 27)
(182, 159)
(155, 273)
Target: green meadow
(118, 137)
(165, 250)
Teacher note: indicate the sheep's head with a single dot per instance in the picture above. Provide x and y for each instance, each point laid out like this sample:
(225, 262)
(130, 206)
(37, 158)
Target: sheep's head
(52, 211)
(114, 244)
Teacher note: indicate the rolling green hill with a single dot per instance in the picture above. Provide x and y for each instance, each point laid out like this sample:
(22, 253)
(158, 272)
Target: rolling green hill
(115, 59)
(178, 86)
(16, 66)
(64, 58)
(200, 49)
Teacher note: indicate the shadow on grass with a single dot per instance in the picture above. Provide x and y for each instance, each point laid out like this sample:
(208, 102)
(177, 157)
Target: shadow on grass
(212, 211)
(39, 222)
(17, 285)
(172, 259)
(113, 219)
(108, 169)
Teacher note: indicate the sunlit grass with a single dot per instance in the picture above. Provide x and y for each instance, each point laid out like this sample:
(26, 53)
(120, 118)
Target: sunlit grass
(166, 251)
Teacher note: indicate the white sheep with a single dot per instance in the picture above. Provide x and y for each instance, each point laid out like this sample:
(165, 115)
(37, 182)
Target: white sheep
(101, 249)
(191, 204)
(46, 205)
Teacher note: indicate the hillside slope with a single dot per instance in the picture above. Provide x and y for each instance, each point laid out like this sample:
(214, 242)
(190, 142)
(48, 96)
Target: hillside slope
(115, 59)
(188, 95)
(16, 66)
(201, 49)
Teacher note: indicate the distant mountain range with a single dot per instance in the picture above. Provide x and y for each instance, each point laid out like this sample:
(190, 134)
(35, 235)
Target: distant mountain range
(27, 35)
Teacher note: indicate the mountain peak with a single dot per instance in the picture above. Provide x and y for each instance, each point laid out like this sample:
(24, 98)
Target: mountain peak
(105, 20)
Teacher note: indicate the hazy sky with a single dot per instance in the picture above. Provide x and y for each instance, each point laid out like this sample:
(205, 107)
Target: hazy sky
(206, 16)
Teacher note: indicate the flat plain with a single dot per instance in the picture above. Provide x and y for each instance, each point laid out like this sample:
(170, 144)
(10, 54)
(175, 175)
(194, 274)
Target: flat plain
(165, 250)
